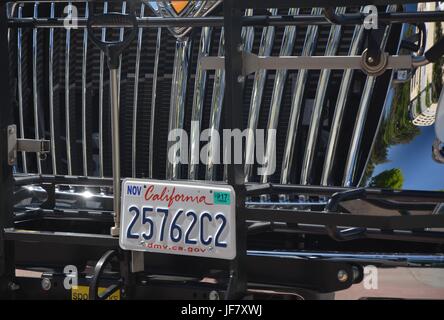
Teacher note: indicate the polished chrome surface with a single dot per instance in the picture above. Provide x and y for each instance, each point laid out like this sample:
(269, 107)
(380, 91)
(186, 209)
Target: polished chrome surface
(216, 110)
(51, 94)
(318, 105)
(115, 136)
(20, 88)
(153, 103)
(121, 35)
(296, 104)
(358, 131)
(84, 65)
(101, 82)
(265, 47)
(287, 46)
(178, 97)
(333, 141)
(35, 92)
(136, 95)
(198, 104)
(67, 97)
(247, 34)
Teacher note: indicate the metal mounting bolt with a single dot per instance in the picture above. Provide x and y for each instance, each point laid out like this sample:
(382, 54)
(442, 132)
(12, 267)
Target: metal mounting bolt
(11, 130)
(370, 60)
(240, 79)
(46, 284)
(342, 276)
(214, 295)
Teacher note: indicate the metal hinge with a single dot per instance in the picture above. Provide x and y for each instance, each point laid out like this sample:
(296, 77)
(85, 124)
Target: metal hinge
(41, 147)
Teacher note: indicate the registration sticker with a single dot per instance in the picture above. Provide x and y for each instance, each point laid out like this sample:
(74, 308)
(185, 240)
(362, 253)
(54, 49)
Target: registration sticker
(222, 198)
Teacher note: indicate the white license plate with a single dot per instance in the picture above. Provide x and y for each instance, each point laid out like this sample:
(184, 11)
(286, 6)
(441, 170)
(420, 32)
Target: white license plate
(184, 218)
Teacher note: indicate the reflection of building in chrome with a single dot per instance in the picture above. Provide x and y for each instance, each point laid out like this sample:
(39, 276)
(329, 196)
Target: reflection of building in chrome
(424, 91)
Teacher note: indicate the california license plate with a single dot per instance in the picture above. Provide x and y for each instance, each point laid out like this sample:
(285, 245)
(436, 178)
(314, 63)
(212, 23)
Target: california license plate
(184, 218)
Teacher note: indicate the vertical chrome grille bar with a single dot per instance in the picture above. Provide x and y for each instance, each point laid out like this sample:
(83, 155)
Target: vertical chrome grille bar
(51, 93)
(35, 85)
(287, 46)
(296, 105)
(67, 115)
(247, 34)
(265, 47)
(341, 102)
(153, 102)
(136, 92)
(20, 88)
(330, 50)
(216, 109)
(85, 53)
(121, 35)
(178, 96)
(198, 102)
(352, 157)
(101, 80)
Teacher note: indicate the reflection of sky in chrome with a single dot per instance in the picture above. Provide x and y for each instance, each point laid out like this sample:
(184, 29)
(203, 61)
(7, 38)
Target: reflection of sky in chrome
(415, 160)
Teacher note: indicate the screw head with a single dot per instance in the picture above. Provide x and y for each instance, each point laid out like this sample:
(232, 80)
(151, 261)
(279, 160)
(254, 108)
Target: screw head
(46, 284)
(214, 295)
(342, 276)
(11, 130)
(370, 60)
(240, 79)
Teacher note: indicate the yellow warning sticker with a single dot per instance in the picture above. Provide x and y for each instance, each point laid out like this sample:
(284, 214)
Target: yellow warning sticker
(82, 293)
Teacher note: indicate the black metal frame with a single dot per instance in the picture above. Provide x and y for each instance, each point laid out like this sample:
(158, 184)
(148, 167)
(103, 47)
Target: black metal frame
(318, 275)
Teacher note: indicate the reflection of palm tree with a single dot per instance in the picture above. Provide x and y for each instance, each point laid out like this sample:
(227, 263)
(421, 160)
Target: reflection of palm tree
(397, 128)
(393, 179)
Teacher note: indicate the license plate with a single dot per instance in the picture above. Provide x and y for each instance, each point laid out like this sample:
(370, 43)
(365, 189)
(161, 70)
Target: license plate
(82, 293)
(183, 218)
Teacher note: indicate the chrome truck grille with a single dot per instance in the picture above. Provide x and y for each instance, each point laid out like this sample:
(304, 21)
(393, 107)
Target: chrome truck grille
(325, 120)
